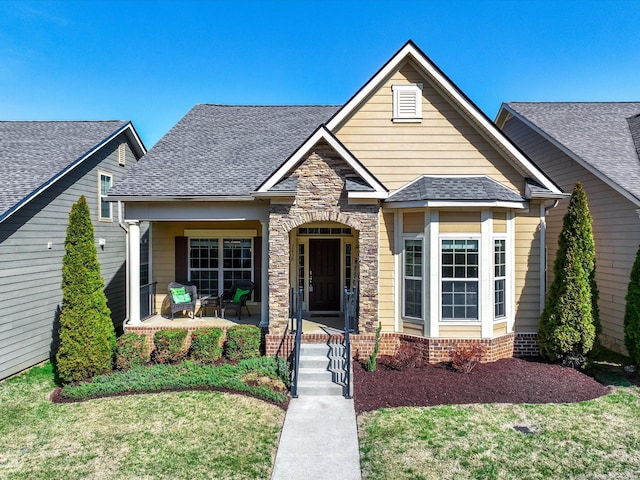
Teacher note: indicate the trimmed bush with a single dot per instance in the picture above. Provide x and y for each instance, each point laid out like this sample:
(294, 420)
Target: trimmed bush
(131, 349)
(569, 323)
(632, 313)
(205, 345)
(170, 345)
(464, 358)
(243, 341)
(87, 336)
(408, 355)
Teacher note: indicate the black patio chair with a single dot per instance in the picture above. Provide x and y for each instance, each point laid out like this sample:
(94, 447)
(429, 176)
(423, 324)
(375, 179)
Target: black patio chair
(237, 297)
(180, 306)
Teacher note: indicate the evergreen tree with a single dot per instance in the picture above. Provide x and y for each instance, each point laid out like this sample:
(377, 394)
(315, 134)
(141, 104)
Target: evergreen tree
(632, 313)
(570, 322)
(87, 336)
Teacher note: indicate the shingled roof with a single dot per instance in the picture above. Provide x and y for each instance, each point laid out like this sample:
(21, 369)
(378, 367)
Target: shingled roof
(458, 189)
(601, 135)
(221, 151)
(34, 154)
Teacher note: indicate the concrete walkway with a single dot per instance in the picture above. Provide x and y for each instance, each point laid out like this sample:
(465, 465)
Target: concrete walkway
(319, 440)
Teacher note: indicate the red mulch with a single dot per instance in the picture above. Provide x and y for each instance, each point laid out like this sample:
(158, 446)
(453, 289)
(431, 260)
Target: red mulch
(511, 380)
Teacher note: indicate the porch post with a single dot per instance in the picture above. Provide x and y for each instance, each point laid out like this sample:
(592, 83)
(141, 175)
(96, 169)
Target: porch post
(264, 281)
(134, 272)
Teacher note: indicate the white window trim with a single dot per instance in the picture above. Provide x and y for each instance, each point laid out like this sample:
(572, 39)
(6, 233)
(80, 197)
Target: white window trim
(404, 316)
(460, 236)
(102, 173)
(505, 277)
(405, 92)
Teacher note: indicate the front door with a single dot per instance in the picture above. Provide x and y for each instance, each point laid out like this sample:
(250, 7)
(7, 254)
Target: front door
(324, 274)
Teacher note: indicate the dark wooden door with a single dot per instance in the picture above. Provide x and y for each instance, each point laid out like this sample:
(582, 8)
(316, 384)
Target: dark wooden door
(324, 274)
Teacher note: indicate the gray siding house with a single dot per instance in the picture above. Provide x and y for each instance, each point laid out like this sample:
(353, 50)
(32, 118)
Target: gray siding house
(46, 167)
(597, 144)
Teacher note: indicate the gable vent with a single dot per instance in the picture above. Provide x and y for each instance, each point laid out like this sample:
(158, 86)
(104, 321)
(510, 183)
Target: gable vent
(407, 103)
(122, 157)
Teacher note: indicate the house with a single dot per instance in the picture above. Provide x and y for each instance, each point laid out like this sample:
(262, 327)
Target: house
(597, 144)
(47, 166)
(407, 192)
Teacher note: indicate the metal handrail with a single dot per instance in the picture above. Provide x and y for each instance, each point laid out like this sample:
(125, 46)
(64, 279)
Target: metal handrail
(350, 302)
(296, 300)
(148, 300)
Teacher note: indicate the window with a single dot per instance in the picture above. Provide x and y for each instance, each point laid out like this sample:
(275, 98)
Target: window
(412, 274)
(216, 263)
(347, 265)
(301, 265)
(407, 102)
(106, 181)
(460, 279)
(499, 279)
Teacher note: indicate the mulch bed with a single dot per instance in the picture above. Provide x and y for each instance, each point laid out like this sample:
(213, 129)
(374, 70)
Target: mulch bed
(511, 380)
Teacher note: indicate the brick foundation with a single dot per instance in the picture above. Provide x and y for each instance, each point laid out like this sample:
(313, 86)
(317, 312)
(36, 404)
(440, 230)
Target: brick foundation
(435, 350)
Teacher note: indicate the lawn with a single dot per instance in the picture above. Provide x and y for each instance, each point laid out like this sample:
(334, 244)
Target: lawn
(195, 434)
(595, 439)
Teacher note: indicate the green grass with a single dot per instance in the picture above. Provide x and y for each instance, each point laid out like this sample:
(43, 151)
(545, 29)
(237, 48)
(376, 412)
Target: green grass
(188, 434)
(589, 440)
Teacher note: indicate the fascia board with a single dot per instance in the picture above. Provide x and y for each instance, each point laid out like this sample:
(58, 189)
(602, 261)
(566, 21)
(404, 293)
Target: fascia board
(64, 171)
(374, 195)
(133, 198)
(571, 154)
(321, 134)
(455, 204)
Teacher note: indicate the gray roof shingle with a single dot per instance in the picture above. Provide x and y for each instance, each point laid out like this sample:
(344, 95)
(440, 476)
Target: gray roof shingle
(598, 133)
(34, 153)
(218, 150)
(455, 189)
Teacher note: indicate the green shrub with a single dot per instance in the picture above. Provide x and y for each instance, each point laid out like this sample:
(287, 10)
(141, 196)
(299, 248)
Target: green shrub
(632, 313)
(87, 336)
(370, 363)
(569, 323)
(205, 345)
(170, 345)
(131, 349)
(243, 341)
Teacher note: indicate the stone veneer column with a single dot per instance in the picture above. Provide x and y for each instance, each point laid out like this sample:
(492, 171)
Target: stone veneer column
(321, 197)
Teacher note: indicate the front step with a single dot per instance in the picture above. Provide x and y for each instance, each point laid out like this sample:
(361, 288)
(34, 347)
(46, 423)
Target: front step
(321, 369)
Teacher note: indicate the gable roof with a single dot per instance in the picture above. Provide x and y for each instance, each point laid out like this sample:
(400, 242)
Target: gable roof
(363, 185)
(457, 98)
(599, 136)
(218, 152)
(34, 155)
(438, 190)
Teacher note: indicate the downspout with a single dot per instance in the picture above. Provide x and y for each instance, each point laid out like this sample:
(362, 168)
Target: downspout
(544, 210)
(126, 246)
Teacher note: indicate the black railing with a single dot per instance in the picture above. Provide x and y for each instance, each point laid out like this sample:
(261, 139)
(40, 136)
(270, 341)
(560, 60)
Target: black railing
(296, 313)
(148, 300)
(350, 318)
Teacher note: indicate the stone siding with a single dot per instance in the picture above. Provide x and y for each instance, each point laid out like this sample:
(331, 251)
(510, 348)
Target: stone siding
(321, 197)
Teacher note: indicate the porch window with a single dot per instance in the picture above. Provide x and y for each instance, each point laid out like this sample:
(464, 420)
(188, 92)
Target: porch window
(106, 181)
(412, 273)
(213, 269)
(499, 279)
(204, 265)
(459, 279)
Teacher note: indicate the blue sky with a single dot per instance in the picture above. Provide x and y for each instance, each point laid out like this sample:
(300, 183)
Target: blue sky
(151, 61)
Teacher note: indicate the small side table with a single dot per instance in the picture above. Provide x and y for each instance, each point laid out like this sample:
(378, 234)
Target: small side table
(209, 301)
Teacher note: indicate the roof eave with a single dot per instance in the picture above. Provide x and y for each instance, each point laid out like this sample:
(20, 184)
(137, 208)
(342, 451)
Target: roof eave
(160, 198)
(457, 203)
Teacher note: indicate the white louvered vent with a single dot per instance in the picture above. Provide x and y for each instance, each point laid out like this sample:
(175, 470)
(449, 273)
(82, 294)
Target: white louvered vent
(407, 103)
(121, 154)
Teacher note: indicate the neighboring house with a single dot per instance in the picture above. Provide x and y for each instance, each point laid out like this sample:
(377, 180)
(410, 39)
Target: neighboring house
(46, 167)
(597, 144)
(407, 192)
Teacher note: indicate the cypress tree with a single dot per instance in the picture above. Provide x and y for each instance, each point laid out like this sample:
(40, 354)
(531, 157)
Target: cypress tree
(570, 324)
(632, 313)
(87, 336)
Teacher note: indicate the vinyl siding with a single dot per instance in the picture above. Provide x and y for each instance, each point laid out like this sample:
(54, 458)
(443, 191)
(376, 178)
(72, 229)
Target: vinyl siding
(616, 226)
(386, 277)
(461, 331)
(30, 273)
(443, 143)
(527, 269)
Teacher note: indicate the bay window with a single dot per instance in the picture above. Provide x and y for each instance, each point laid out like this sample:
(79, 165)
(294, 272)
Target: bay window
(412, 274)
(459, 277)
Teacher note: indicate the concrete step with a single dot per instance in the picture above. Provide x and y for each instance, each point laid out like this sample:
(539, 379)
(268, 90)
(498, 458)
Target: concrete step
(315, 349)
(315, 375)
(318, 388)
